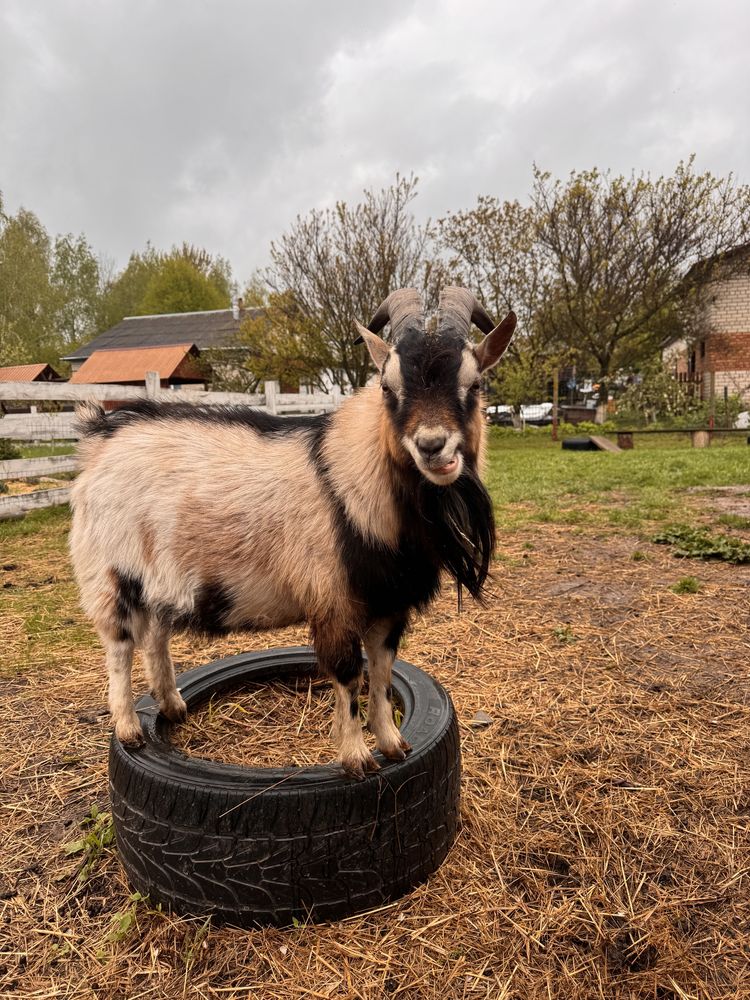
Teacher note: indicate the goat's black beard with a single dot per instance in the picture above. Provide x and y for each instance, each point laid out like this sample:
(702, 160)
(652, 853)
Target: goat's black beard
(460, 522)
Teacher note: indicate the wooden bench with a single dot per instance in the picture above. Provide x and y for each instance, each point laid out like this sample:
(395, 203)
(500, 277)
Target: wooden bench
(699, 436)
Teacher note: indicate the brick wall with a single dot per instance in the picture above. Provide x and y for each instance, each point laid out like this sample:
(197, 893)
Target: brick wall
(727, 345)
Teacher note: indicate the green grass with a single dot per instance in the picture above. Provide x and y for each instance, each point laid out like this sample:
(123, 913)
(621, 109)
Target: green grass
(46, 449)
(533, 479)
(34, 523)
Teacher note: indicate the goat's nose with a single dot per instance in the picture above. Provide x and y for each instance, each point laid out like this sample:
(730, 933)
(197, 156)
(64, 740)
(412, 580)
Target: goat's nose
(430, 446)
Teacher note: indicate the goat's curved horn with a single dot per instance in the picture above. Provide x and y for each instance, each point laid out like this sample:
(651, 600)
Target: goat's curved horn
(401, 307)
(458, 309)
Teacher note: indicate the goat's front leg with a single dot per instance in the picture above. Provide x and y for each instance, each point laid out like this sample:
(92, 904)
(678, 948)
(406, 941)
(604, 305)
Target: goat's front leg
(340, 656)
(381, 642)
(160, 672)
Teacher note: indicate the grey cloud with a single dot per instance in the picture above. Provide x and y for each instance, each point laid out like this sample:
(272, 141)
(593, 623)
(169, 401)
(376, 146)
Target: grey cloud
(218, 123)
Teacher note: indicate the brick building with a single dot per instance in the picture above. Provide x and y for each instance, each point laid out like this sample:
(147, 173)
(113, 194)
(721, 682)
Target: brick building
(719, 350)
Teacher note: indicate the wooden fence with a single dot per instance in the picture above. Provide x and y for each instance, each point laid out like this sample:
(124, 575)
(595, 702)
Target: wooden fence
(59, 426)
(36, 426)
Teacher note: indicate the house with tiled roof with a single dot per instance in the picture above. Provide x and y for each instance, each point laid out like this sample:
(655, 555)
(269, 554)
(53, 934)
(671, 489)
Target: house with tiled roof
(176, 365)
(208, 329)
(30, 373)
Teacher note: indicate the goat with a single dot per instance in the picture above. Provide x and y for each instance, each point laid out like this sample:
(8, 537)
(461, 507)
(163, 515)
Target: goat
(218, 518)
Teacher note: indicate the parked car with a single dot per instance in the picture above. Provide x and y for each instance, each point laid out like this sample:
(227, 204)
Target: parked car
(537, 414)
(501, 416)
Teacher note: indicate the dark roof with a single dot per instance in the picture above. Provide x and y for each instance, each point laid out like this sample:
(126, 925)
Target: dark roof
(733, 259)
(213, 328)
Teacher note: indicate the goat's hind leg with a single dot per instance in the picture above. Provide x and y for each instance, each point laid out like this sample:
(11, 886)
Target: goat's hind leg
(381, 643)
(160, 672)
(116, 606)
(340, 656)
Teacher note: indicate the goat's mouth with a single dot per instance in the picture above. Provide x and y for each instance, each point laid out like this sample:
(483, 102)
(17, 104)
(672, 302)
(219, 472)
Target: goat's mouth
(440, 461)
(447, 469)
(440, 471)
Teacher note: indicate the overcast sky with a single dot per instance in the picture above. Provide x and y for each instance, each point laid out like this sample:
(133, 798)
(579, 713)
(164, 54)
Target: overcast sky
(218, 122)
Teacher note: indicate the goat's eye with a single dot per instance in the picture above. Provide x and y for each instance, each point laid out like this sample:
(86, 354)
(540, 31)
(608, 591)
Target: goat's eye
(386, 389)
(476, 386)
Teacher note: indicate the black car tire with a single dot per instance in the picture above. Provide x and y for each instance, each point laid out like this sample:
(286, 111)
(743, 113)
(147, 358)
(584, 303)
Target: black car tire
(254, 846)
(579, 444)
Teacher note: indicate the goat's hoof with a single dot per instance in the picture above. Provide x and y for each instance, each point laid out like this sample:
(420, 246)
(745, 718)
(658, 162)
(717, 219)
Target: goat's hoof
(174, 707)
(130, 734)
(359, 767)
(396, 751)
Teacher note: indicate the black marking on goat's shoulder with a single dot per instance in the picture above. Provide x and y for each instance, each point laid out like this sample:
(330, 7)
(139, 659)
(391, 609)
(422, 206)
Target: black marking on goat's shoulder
(443, 527)
(208, 615)
(228, 416)
(387, 583)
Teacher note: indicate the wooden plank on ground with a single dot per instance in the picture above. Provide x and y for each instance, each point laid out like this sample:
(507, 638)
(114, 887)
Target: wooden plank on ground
(17, 506)
(31, 468)
(604, 444)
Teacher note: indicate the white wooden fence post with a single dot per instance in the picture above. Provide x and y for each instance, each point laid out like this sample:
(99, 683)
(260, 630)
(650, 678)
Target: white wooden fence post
(271, 389)
(336, 397)
(153, 384)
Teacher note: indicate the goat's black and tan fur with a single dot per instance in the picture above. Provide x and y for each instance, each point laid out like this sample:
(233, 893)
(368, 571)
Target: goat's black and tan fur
(222, 518)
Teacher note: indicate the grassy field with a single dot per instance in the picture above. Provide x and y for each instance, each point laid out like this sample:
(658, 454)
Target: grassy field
(605, 841)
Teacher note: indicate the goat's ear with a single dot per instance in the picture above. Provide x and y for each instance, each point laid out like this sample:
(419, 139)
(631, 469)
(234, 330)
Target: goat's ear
(378, 348)
(494, 345)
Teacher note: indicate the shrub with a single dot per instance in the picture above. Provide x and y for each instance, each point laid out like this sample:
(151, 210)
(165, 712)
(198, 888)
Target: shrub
(8, 450)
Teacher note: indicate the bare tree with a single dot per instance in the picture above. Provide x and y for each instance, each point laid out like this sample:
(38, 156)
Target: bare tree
(337, 265)
(492, 249)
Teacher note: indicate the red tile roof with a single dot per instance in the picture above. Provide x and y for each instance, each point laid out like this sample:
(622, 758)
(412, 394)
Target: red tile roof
(25, 373)
(131, 365)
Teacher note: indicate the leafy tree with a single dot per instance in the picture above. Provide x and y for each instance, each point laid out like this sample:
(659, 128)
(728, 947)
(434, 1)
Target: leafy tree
(283, 344)
(186, 279)
(617, 250)
(75, 279)
(27, 299)
(335, 266)
(178, 286)
(124, 292)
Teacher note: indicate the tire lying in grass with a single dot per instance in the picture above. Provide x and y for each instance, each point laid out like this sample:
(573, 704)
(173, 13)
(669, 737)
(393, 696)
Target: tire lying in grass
(279, 845)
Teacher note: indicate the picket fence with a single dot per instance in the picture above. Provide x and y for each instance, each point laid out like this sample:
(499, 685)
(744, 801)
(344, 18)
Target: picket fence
(36, 426)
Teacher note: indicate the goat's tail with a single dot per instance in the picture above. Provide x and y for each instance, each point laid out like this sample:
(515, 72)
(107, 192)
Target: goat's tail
(90, 419)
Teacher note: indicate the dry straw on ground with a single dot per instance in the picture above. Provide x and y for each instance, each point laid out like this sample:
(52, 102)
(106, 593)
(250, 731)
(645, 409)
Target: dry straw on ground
(605, 845)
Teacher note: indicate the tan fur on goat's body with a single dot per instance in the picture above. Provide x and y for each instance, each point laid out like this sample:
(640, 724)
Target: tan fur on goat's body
(244, 511)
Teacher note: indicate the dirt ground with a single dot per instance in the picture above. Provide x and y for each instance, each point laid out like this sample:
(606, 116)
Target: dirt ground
(605, 841)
